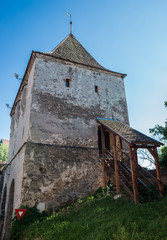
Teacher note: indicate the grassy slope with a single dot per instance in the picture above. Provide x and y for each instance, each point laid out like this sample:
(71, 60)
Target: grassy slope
(106, 219)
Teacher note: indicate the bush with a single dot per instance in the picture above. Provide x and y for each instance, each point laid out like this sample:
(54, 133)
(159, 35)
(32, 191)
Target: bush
(163, 156)
(32, 215)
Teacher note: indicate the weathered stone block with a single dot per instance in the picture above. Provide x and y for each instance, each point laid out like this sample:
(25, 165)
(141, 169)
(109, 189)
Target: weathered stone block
(69, 173)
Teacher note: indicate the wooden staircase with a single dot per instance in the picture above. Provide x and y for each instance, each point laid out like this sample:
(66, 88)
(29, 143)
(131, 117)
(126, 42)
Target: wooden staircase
(147, 184)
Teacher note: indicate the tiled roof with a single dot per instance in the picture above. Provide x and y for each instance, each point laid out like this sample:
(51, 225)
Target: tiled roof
(129, 134)
(5, 141)
(70, 49)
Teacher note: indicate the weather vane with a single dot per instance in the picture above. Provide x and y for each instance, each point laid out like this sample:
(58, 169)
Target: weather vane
(70, 21)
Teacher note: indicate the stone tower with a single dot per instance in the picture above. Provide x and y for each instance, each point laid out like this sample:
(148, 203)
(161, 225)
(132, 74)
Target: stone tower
(54, 155)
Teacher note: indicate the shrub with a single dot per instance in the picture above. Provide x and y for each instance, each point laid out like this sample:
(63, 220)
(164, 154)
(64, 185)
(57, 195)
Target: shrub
(32, 215)
(163, 156)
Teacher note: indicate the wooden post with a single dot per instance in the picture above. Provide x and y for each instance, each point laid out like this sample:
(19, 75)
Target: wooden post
(121, 153)
(133, 172)
(158, 173)
(116, 164)
(136, 162)
(111, 143)
(103, 155)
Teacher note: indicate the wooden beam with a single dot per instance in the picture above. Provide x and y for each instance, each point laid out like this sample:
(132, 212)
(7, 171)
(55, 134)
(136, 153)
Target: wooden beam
(111, 141)
(151, 150)
(103, 155)
(136, 162)
(160, 185)
(146, 146)
(133, 161)
(116, 164)
(120, 143)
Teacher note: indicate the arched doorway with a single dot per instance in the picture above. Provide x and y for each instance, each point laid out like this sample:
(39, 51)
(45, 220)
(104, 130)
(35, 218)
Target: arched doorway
(2, 216)
(9, 210)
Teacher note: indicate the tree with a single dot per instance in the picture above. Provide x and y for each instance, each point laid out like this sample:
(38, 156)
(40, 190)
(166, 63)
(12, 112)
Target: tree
(3, 152)
(163, 156)
(161, 132)
(145, 158)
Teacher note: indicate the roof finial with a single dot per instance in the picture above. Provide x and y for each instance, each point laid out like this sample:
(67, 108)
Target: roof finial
(71, 27)
(70, 21)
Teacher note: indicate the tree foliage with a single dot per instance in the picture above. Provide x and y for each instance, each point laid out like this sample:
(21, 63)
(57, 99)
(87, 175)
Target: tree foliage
(3, 152)
(159, 130)
(163, 156)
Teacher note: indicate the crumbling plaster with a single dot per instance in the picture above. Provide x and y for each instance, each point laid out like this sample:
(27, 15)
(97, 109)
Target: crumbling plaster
(20, 134)
(60, 174)
(14, 172)
(53, 152)
(67, 115)
(20, 122)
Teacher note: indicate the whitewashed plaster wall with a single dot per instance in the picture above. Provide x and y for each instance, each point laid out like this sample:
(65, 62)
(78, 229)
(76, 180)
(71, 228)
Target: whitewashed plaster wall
(20, 122)
(67, 115)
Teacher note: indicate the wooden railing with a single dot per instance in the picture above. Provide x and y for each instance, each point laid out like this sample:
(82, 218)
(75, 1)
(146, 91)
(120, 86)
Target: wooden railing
(144, 178)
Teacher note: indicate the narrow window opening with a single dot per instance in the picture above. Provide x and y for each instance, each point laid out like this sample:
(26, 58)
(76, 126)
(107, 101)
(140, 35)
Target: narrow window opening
(67, 82)
(96, 89)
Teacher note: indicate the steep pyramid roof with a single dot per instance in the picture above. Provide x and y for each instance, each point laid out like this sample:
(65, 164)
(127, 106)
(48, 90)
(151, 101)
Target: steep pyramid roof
(70, 49)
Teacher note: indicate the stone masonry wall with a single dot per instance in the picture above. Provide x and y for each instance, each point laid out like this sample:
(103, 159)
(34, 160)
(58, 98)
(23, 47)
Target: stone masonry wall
(67, 115)
(1, 182)
(54, 142)
(19, 135)
(58, 126)
(14, 173)
(20, 122)
(62, 161)
(56, 175)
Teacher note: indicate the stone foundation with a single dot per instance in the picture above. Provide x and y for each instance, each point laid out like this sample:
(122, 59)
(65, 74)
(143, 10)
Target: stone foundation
(59, 175)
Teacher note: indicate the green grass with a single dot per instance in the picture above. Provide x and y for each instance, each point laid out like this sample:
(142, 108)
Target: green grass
(105, 219)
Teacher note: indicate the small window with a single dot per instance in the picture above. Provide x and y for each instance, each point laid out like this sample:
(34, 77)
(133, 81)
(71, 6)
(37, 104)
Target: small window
(96, 89)
(67, 82)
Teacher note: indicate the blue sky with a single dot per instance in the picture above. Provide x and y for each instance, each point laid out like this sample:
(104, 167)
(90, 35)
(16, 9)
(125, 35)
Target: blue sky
(123, 36)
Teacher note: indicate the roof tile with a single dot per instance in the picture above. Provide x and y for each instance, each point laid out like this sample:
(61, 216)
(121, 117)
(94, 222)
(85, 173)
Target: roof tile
(70, 49)
(131, 135)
